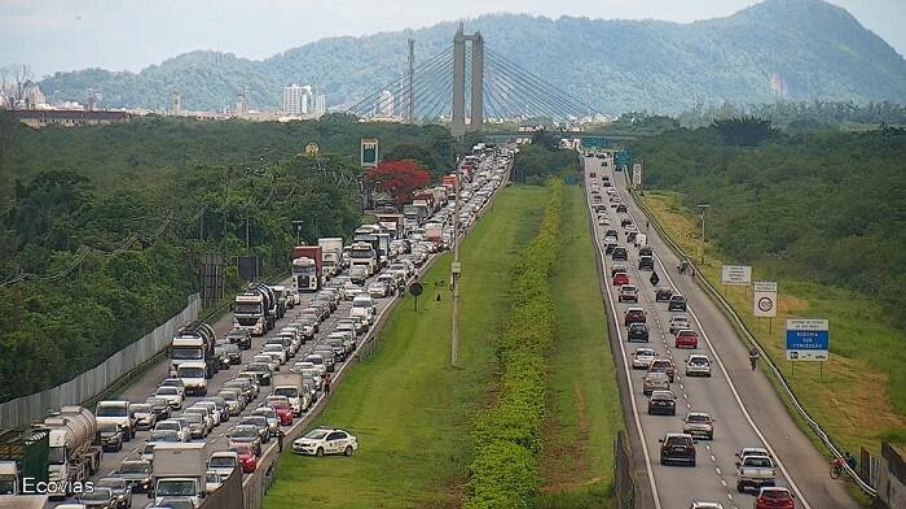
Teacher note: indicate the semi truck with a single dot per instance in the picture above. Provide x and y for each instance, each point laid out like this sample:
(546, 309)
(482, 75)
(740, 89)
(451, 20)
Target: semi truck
(290, 384)
(363, 253)
(178, 470)
(308, 268)
(256, 310)
(194, 342)
(393, 224)
(74, 455)
(415, 213)
(332, 252)
(451, 183)
(24, 457)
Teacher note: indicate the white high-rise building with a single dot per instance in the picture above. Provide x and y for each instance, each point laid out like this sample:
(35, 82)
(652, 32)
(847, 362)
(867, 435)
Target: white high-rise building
(293, 100)
(385, 104)
(306, 99)
(319, 106)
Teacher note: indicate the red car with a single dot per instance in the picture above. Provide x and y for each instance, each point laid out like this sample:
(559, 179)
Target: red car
(284, 412)
(620, 279)
(775, 497)
(247, 457)
(686, 339)
(634, 315)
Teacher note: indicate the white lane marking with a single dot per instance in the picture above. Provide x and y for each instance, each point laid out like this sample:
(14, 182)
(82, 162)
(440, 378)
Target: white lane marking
(736, 396)
(716, 469)
(635, 410)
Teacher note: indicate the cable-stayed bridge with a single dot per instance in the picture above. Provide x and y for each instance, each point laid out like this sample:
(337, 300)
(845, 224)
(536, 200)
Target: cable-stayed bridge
(490, 88)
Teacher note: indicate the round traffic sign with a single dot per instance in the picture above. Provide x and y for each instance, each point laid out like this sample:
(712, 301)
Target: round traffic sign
(765, 304)
(415, 289)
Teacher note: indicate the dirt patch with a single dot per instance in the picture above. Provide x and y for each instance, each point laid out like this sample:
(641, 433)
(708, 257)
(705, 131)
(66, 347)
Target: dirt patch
(791, 305)
(565, 465)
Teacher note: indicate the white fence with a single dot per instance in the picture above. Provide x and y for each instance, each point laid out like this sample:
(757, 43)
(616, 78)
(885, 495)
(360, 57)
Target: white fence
(33, 408)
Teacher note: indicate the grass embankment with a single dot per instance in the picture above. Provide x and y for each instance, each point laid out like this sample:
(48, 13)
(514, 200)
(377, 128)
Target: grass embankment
(860, 397)
(410, 410)
(584, 401)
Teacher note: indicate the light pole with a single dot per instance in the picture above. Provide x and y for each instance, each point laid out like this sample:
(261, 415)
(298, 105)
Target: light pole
(455, 270)
(703, 207)
(298, 224)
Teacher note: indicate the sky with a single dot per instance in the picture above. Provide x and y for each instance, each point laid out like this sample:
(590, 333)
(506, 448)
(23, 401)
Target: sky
(65, 35)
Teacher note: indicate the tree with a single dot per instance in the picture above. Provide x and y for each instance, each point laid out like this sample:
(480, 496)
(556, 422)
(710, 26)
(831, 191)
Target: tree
(399, 178)
(744, 131)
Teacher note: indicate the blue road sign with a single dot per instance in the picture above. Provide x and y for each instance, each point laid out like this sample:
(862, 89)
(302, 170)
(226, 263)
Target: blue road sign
(807, 340)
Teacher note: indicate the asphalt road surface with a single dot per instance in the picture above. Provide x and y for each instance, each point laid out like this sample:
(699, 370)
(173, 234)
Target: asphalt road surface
(747, 410)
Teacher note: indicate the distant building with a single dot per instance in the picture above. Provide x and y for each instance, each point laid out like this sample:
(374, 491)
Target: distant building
(319, 108)
(385, 104)
(779, 86)
(293, 99)
(176, 103)
(34, 97)
(306, 99)
(70, 118)
(242, 104)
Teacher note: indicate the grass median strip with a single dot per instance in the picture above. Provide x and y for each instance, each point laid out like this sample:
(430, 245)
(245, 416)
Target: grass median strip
(864, 351)
(583, 397)
(410, 410)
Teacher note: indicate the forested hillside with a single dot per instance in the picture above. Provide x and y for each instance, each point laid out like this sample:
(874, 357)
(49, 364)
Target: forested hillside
(103, 228)
(792, 49)
(824, 207)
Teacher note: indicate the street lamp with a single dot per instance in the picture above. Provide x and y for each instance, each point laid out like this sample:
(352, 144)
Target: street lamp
(298, 224)
(703, 207)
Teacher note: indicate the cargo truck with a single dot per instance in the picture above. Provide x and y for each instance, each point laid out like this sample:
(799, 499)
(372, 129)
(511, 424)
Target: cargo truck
(332, 252)
(290, 384)
(74, 454)
(393, 224)
(415, 213)
(308, 268)
(24, 457)
(256, 310)
(178, 470)
(364, 254)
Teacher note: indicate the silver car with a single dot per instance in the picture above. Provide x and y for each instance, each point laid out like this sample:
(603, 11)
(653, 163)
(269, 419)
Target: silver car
(698, 365)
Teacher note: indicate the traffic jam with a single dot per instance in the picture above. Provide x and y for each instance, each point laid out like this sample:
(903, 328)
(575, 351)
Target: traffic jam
(683, 404)
(230, 397)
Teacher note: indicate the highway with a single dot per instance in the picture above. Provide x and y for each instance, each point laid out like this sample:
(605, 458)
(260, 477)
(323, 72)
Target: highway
(148, 382)
(747, 410)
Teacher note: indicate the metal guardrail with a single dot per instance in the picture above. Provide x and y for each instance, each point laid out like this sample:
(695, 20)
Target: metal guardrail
(740, 326)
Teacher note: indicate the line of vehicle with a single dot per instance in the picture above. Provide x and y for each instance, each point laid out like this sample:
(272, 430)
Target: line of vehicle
(729, 380)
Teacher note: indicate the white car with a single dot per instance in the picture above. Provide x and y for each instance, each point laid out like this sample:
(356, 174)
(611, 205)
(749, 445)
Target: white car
(643, 357)
(172, 394)
(698, 365)
(224, 463)
(678, 323)
(323, 441)
(698, 504)
(213, 481)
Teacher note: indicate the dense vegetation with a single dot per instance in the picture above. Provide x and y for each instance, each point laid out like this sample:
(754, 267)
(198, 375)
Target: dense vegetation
(542, 159)
(507, 437)
(825, 207)
(104, 228)
(614, 65)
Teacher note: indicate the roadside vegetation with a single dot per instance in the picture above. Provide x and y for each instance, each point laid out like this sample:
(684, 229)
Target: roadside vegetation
(821, 214)
(507, 434)
(409, 409)
(583, 399)
(103, 229)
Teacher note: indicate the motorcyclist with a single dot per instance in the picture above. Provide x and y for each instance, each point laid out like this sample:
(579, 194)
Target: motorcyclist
(654, 279)
(753, 357)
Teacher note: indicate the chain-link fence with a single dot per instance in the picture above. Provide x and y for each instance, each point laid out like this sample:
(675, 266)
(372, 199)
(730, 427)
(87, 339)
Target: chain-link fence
(35, 407)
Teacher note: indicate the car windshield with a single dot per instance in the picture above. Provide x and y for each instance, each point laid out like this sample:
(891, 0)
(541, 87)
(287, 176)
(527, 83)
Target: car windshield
(166, 391)
(135, 468)
(699, 361)
(755, 461)
(222, 462)
(775, 495)
(245, 432)
(113, 484)
(108, 427)
(316, 434)
(699, 418)
(176, 488)
(677, 441)
(112, 411)
(140, 408)
(185, 372)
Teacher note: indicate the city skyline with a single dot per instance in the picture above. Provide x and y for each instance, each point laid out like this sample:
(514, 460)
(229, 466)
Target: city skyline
(63, 35)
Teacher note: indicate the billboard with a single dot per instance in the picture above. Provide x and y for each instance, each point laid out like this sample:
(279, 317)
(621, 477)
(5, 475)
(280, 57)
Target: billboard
(736, 275)
(369, 152)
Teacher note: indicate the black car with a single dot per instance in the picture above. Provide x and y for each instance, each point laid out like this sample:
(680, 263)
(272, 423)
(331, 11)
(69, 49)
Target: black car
(611, 233)
(663, 294)
(677, 447)
(241, 337)
(646, 251)
(137, 473)
(631, 236)
(637, 332)
(621, 207)
(619, 254)
(677, 303)
(662, 402)
(646, 263)
(625, 222)
(608, 248)
(262, 372)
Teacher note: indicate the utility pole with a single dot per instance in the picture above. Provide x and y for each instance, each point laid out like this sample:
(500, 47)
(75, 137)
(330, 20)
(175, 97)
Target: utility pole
(703, 207)
(410, 96)
(455, 271)
(298, 224)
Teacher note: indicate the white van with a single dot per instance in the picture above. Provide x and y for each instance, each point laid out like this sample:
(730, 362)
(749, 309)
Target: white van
(641, 240)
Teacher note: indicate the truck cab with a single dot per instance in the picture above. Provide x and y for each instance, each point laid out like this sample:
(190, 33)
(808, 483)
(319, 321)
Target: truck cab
(179, 470)
(117, 412)
(192, 374)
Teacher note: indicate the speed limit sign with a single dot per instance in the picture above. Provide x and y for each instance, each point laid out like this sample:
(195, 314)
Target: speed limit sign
(765, 296)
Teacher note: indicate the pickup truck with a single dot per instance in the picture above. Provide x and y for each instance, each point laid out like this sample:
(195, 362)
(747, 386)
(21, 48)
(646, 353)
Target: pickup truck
(754, 472)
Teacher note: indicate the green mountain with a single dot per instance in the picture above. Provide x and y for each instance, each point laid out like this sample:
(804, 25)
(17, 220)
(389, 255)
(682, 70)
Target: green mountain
(796, 49)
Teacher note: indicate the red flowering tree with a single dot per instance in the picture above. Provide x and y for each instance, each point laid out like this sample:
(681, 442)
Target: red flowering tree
(399, 178)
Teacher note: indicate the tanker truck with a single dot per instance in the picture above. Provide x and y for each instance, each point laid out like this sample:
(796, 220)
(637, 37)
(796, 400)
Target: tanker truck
(74, 455)
(256, 310)
(194, 342)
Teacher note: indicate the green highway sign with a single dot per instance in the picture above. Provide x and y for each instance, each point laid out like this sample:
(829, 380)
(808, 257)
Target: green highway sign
(623, 158)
